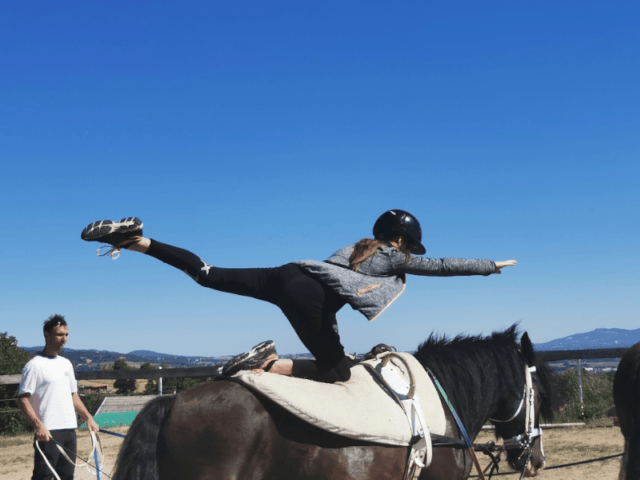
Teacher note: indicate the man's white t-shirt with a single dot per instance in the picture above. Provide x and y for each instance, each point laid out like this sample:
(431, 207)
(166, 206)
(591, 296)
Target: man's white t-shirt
(51, 382)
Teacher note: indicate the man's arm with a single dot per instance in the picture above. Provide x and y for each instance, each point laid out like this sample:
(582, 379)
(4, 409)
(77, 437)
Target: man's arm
(42, 434)
(84, 413)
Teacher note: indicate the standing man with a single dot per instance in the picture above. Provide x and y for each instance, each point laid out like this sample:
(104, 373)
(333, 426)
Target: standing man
(49, 381)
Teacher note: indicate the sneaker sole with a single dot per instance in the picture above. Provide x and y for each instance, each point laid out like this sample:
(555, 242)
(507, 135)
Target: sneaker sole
(268, 346)
(96, 230)
(252, 359)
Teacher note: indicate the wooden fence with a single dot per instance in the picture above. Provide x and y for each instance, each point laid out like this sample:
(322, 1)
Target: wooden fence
(120, 374)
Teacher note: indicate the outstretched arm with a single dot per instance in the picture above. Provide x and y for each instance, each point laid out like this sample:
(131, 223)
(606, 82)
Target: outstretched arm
(444, 267)
(505, 263)
(447, 267)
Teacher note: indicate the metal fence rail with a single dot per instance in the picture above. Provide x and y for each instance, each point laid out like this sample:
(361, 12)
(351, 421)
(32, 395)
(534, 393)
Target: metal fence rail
(585, 354)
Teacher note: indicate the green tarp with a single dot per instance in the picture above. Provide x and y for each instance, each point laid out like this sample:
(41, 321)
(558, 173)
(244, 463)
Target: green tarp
(113, 419)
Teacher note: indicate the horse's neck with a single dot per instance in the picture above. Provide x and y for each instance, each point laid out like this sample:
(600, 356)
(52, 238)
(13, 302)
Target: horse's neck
(475, 396)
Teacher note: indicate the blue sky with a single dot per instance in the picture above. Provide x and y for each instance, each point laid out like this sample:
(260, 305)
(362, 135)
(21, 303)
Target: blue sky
(258, 133)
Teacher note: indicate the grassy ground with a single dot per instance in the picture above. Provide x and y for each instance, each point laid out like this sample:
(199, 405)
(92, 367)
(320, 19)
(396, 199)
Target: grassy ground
(561, 446)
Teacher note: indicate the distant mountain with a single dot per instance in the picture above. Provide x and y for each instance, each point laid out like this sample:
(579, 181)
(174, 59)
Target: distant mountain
(147, 353)
(166, 357)
(150, 356)
(92, 359)
(598, 338)
(87, 360)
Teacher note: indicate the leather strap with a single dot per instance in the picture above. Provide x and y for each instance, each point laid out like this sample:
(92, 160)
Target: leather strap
(463, 430)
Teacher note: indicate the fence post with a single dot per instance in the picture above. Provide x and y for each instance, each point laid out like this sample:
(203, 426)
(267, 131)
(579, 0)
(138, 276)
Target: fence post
(580, 388)
(160, 382)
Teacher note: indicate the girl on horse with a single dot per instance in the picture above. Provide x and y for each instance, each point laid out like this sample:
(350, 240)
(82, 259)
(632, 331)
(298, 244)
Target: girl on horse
(368, 275)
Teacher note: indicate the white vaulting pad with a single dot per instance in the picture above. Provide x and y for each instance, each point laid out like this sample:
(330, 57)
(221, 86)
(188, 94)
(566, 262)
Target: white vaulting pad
(359, 409)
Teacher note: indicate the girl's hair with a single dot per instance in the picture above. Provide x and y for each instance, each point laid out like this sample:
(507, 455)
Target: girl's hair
(367, 247)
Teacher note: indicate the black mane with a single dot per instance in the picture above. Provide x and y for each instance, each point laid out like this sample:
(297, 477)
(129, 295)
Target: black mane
(475, 369)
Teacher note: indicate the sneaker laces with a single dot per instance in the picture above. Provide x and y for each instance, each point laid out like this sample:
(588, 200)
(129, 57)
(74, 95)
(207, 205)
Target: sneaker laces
(114, 250)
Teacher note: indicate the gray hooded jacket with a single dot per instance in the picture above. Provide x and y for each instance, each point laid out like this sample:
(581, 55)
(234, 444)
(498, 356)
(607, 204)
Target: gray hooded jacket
(381, 278)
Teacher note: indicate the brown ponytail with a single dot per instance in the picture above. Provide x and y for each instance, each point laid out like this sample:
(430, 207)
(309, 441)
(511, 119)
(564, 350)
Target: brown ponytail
(367, 247)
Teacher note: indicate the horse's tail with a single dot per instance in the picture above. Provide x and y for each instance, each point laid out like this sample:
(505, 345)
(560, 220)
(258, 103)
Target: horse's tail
(137, 458)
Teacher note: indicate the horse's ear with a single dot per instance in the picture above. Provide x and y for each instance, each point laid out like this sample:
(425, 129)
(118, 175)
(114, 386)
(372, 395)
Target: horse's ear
(527, 349)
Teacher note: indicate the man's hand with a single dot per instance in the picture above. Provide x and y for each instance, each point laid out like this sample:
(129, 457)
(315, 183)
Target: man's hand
(92, 426)
(42, 434)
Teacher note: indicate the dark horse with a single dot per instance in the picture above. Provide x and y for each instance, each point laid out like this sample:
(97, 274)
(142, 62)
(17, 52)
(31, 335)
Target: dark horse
(626, 395)
(221, 430)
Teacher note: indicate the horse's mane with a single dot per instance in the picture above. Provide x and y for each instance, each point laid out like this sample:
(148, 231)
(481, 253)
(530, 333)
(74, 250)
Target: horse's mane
(473, 367)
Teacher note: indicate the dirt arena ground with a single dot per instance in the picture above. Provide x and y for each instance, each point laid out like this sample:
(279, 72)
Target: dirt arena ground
(16, 455)
(561, 446)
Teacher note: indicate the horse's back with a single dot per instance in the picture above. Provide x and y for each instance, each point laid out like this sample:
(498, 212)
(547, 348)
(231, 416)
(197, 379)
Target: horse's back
(221, 430)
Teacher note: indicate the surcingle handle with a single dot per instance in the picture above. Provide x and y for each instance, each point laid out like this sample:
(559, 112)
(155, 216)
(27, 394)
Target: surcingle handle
(412, 381)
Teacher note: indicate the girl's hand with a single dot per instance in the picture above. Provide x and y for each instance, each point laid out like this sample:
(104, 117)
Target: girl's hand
(506, 263)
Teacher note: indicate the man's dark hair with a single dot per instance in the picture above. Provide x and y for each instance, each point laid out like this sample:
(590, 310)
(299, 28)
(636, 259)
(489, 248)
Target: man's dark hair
(52, 321)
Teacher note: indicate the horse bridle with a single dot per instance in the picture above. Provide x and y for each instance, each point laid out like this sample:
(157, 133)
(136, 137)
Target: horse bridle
(525, 440)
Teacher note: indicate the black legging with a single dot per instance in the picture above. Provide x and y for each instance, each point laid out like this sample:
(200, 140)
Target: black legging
(309, 305)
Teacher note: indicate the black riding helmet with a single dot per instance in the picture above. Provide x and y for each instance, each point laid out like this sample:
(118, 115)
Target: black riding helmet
(398, 222)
